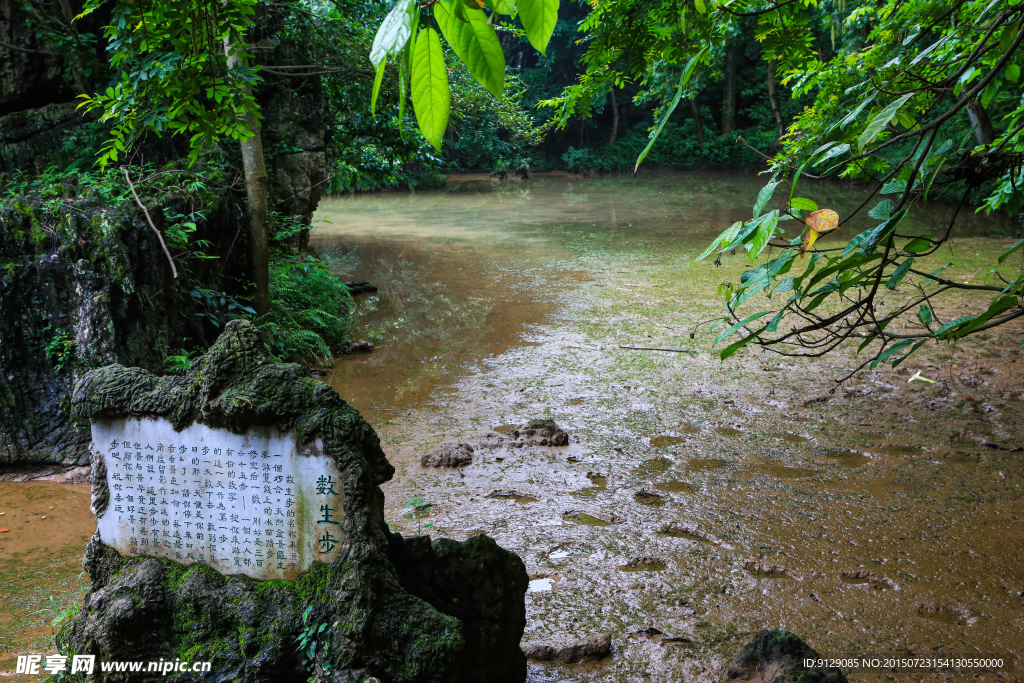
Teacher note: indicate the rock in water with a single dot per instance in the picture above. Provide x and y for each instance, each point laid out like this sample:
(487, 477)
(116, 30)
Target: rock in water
(361, 346)
(375, 605)
(591, 649)
(539, 433)
(449, 455)
(778, 656)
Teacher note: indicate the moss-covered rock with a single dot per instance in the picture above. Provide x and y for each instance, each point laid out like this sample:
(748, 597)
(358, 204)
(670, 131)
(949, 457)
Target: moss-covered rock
(394, 608)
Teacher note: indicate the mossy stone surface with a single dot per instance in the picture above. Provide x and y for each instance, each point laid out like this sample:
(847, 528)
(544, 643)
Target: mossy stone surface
(393, 608)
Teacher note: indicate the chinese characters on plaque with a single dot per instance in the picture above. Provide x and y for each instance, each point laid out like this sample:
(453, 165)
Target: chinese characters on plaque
(242, 504)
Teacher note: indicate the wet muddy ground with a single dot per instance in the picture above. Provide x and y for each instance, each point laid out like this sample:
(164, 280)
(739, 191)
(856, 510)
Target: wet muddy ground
(699, 501)
(702, 499)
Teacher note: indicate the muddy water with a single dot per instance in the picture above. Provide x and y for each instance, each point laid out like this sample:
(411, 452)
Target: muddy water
(703, 499)
(44, 526)
(707, 500)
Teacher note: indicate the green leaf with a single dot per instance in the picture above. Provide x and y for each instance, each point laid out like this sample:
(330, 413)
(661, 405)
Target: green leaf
(729, 233)
(505, 6)
(764, 233)
(539, 18)
(925, 315)
(880, 121)
(882, 211)
(683, 80)
(888, 353)
(700, 7)
(833, 152)
(1006, 254)
(377, 80)
(774, 324)
(736, 346)
(431, 100)
(803, 204)
(894, 187)
(899, 273)
(918, 244)
(852, 116)
(950, 325)
(1012, 73)
(476, 44)
(741, 323)
(764, 196)
(394, 32)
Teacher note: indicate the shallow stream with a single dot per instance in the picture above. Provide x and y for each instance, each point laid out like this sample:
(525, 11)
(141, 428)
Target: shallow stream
(699, 501)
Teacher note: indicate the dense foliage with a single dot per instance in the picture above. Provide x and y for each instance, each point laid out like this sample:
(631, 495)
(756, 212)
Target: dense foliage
(911, 97)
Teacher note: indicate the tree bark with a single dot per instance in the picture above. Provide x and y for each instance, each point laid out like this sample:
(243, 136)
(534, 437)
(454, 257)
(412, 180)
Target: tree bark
(729, 92)
(615, 118)
(773, 97)
(697, 121)
(980, 122)
(257, 192)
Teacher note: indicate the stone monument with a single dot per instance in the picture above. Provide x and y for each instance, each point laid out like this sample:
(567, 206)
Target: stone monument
(240, 522)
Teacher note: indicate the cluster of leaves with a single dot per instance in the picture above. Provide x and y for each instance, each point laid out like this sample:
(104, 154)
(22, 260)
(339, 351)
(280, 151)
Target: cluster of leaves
(468, 27)
(308, 320)
(179, 70)
(891, 90)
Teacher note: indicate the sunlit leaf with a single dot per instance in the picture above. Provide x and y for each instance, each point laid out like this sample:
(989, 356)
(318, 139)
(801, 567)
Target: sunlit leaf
(476, 44)
(539, 18)
(431, 100)
(803, 204)
(393, 34)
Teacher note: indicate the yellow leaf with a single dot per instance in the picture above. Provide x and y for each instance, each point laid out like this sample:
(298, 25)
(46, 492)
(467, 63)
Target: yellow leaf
(823, 220)
(818, 223)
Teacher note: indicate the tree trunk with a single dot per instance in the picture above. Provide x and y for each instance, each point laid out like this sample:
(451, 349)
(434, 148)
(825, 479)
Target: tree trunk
(615, 118)
(729, 92)
(773, 97)
(257, 192)
(980, 122)
(697, 122)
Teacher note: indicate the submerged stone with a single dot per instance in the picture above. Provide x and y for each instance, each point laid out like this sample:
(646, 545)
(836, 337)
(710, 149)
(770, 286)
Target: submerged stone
(449, 455)
(777, 656)
(591, 649)
(337, 596)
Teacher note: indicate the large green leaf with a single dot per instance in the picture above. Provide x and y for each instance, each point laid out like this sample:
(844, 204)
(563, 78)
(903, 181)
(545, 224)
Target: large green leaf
(505, 6)
(476, 44)
(431, 100)
(393, 34)
(683, 80)
(880, 121)
(539, 18)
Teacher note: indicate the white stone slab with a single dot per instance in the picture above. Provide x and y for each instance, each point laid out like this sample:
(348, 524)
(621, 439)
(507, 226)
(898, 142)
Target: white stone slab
(242, 504)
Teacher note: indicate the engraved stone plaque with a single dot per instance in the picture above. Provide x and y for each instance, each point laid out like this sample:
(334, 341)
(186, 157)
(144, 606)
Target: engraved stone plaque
(253, 503)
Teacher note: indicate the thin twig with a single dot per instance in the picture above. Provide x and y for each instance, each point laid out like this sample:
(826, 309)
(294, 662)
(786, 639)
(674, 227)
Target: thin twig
(648, 348)
(167, 252)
